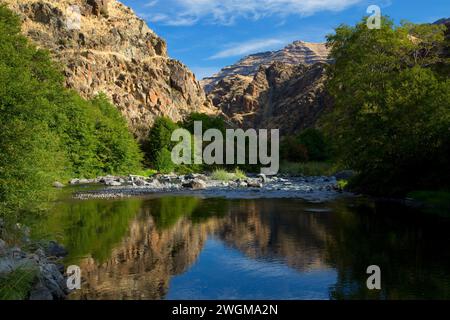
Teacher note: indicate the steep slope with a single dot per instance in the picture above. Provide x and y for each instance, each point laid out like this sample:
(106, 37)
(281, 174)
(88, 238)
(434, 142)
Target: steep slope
(281, 96)
(296, 53)
(115, 52)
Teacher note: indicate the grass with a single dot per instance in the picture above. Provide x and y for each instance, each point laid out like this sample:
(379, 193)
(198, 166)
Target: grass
(307, 168)
(438, 202)
(223, 175)
(342, 184)
(17, 284)
(146, 173)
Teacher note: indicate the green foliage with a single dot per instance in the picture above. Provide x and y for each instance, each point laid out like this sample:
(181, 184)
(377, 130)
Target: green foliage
(342, 184)
(223, 175)
(309, 145)
(164, 162)
(116, 149)
(314, 142)
(208, 122)
(159, 138)
(392, 114)
(17, 284)
(88, 228)
(48, 132)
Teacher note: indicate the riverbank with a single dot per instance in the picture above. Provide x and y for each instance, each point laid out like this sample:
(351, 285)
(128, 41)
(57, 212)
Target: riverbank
(315, 189)
(31, 270)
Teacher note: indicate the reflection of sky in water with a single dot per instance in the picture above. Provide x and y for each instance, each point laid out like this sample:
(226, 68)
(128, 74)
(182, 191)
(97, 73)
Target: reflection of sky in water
(225, 273)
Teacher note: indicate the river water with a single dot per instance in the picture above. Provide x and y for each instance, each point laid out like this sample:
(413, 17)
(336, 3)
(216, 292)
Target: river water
(188, 247)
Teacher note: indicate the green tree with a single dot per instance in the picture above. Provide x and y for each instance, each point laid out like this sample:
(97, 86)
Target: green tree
(159, 138)
(392, 108)
(48, 132)
(208, 122)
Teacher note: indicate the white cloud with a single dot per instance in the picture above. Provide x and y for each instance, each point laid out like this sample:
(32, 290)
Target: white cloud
(151, 4)
(227, 11)
(176, 21)
(244, 48)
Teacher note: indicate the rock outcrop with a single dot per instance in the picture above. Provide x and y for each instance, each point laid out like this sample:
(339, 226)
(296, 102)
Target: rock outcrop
(275, 90)
(113, 51)
(299, 52)
(281, 96)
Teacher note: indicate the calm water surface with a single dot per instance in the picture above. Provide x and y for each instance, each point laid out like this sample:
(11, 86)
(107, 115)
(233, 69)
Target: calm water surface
(192, 248)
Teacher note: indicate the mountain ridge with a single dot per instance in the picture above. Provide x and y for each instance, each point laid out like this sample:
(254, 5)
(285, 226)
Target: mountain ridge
(298, 52)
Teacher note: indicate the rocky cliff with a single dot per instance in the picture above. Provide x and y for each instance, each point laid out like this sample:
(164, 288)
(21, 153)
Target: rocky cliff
(299, 52)
(275, 90)
(281, 96)
(104, 47)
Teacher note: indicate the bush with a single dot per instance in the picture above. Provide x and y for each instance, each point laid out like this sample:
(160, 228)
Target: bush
(159, 138)
(309, 145)
(223, 175)
(315, 144)
(208, 122)
(293, 151)
(163, 162)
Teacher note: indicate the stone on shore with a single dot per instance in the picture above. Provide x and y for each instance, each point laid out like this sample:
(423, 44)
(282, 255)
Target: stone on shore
(195, 185)
(58, 185)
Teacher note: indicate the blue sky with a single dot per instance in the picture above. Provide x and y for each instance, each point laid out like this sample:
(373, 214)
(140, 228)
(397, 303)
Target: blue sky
(207, 35)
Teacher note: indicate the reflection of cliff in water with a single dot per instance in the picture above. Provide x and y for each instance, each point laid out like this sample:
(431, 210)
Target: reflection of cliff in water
(165, 237)
(267, 229)
(169, 233)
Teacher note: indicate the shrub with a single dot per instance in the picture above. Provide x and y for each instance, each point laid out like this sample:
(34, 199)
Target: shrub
(223, 175)
(163, 162)
(309, 145)
(315, 144)
(159, 138)
(208, 122)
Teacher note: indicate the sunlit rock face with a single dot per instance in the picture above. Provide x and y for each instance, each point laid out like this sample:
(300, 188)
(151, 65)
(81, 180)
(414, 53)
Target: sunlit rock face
(142, 265)
(279, 96)
(116, 53)
(282, 89)
(298, 52)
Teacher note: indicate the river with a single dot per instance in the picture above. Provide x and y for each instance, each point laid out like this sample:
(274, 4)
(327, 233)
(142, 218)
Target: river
(189, 247)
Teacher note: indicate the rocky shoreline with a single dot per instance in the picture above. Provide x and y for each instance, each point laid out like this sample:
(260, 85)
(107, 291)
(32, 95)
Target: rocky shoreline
(316, 189)
(41, 262)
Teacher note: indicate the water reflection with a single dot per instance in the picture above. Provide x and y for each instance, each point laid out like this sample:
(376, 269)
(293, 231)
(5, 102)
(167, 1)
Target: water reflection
(192, 248)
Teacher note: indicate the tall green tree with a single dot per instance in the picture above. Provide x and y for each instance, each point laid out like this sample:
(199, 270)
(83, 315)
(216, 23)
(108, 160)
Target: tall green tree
(392, 105)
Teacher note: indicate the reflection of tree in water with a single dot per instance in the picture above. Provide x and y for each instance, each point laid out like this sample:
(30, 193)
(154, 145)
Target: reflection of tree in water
(410, 248)
(90, 227)
(163, 240)
(132, 248)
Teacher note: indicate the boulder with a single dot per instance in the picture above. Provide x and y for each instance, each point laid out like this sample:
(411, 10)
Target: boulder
(74, 181)
(99, 7)
(55, 250)
(58, 184)
(40, 292)
(254, 183)
(262, 177)
(195, 185)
